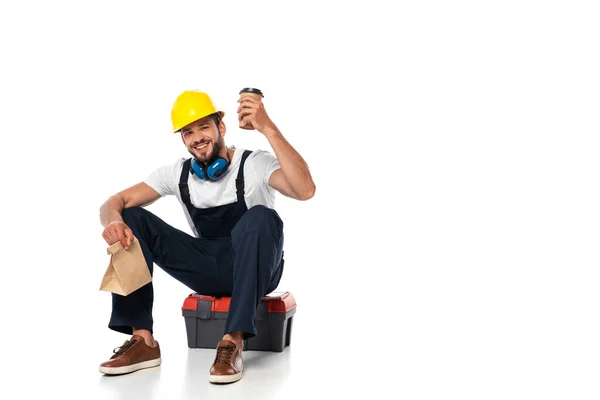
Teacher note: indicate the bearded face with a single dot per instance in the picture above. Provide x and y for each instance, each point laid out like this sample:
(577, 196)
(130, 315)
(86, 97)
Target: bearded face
(203, 140)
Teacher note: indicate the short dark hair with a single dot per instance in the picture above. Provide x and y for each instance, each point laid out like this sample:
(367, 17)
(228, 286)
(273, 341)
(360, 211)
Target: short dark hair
(217, 117)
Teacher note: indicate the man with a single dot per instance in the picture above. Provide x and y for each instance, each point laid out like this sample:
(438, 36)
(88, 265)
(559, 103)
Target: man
(227, 195)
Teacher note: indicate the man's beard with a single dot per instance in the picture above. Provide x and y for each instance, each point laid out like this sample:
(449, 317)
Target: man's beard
(217, 146)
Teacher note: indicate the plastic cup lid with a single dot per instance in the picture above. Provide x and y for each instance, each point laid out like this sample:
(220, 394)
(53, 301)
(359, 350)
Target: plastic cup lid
(251, 90)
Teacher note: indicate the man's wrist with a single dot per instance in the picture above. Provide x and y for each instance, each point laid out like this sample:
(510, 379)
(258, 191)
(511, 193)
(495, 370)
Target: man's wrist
(115, 222)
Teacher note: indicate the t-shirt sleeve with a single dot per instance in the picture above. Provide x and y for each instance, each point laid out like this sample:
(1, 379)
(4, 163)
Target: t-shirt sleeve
(264, 164)
(165, 179)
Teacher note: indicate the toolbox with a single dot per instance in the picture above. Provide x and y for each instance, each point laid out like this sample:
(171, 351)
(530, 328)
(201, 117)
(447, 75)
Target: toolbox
(205, 318)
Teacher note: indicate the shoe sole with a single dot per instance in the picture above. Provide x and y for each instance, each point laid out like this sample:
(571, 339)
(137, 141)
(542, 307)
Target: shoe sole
(130, 368)
(225, 378)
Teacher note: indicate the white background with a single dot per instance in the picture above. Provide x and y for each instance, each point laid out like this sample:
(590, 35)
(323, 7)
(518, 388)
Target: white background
(451, 250)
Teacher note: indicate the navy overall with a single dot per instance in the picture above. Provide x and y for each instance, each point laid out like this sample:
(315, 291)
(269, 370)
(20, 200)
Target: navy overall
(239, 254)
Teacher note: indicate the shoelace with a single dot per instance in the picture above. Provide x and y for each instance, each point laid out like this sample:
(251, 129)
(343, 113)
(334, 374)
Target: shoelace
(122, 349)
(224, 354)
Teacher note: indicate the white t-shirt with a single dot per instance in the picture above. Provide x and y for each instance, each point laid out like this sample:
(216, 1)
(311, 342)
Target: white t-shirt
(258, 168)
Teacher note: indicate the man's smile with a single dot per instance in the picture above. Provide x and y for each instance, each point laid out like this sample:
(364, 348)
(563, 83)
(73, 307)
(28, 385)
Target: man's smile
(201, 146)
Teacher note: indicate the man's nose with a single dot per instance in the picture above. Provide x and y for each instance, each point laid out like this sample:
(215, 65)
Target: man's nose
(196, 137)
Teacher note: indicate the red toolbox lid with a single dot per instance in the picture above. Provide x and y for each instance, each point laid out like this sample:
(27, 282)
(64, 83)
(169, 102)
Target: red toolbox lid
(277, 302)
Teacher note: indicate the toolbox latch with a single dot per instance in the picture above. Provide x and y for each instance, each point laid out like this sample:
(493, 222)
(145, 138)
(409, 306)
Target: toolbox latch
(204, 310)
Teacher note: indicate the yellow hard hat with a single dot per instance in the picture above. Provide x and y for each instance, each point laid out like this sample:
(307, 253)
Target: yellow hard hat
(191, 106)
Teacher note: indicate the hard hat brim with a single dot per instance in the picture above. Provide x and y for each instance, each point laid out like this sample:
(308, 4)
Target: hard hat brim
(221, 114)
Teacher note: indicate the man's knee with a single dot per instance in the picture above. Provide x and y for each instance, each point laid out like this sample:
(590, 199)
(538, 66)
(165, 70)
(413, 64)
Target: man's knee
(258, 219)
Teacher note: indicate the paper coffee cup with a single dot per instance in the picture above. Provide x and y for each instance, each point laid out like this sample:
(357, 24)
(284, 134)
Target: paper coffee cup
(257, 94)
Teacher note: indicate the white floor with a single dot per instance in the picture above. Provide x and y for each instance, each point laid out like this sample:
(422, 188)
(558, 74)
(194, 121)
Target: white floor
(54, 357)
(184, 374)
(361, 348)
(310, 367)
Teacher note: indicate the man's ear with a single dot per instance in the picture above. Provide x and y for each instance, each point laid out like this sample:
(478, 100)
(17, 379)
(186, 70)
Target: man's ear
(222, 128)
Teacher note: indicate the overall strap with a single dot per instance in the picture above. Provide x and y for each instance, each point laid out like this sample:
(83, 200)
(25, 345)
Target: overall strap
(239, 182)
(184, 190)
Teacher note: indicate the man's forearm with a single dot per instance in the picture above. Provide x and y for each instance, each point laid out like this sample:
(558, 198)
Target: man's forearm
(111, 210)
(292, 164)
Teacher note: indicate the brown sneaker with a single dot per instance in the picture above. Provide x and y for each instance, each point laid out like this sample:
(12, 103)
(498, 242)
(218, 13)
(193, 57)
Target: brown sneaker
(228, 365)
(134, 354)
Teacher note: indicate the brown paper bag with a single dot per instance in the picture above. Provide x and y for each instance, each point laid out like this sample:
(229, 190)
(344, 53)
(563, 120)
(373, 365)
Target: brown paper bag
(127, 270)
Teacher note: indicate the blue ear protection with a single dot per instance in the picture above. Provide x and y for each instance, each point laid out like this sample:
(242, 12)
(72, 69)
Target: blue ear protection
(213, 172)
